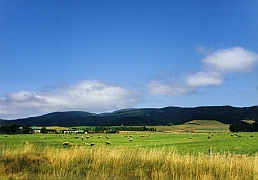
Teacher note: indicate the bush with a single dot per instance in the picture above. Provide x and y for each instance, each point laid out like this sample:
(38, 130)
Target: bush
(242, 126)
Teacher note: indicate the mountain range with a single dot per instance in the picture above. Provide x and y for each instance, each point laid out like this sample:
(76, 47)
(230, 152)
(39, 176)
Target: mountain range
(142, 116)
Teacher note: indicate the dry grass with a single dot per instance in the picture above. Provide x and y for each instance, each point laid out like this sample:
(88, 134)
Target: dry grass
(105, 162)
(196, 126)
(249, 121)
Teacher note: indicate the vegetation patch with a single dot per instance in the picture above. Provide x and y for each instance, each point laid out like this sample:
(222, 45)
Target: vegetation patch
(199, 150)
(78, 162)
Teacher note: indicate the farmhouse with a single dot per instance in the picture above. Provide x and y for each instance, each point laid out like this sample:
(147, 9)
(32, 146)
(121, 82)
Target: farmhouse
(72, 131)
(55, 130)
(36, 129)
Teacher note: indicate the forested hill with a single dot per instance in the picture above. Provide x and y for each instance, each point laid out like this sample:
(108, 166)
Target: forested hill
(143, 116)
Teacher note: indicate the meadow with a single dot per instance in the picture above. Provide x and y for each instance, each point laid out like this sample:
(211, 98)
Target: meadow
(130, 155)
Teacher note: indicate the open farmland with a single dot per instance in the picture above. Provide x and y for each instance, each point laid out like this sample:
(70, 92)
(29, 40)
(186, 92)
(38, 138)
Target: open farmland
(207, 126)
(244, 143)
(131, 155)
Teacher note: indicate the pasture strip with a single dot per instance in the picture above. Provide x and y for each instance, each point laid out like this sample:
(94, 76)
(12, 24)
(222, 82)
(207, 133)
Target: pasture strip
(78, 162)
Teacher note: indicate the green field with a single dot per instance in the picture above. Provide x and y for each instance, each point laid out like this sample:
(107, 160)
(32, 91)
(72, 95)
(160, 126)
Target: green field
(195, 150)
(245, 143)
(194, 136)
(148, 156)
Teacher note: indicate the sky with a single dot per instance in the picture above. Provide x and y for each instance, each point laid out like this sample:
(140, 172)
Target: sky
(100, 56)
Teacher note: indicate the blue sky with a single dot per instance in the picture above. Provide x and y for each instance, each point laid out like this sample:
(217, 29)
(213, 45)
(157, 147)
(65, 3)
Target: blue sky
(101, 56)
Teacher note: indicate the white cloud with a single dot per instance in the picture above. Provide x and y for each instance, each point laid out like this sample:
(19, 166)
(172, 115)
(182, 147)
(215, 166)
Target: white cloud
(99, 96)
(235, 59)
(93, 96)
(216, 65)
(204, 79)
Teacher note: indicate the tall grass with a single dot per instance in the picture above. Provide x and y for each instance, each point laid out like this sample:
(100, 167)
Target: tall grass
(105, 162)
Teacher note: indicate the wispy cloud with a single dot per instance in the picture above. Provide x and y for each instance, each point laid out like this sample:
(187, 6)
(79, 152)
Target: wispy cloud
(165, 88)
(93, 96)
(216, 65)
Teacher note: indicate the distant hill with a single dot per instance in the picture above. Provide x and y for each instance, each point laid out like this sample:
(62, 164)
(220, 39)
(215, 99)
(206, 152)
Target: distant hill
(142, 116)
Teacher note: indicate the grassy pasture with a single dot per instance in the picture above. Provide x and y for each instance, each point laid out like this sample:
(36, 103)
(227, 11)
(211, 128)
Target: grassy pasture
(181, 154)
(209, 126)
(148, 156)
(183, 142)
(194, 136)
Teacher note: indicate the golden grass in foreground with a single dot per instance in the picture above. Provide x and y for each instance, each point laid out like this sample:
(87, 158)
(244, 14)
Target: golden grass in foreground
(29, 162)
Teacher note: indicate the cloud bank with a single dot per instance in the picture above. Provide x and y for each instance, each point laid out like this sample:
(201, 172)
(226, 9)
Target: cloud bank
(93, 96)
(216, 65)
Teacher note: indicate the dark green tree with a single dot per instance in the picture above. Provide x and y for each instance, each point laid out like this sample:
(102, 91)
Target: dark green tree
(242, 126)
(99, 129)
(43, 130)
(9, 129)
(26, 129)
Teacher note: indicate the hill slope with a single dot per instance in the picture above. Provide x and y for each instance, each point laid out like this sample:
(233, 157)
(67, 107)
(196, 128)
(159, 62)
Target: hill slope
(142, 116)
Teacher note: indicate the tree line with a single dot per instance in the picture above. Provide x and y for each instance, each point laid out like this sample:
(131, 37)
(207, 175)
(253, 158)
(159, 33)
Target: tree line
(15, 129)
(116, 129)
(242, 126)
(26, 129)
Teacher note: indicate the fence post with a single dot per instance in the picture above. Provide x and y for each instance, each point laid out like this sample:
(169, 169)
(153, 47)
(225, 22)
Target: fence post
(3, 149)
(210, 153)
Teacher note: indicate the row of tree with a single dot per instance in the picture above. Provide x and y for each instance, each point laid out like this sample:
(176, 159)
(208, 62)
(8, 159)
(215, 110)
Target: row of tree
(116, 129)
(26, 129)
(242, 126)
(15, 129)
